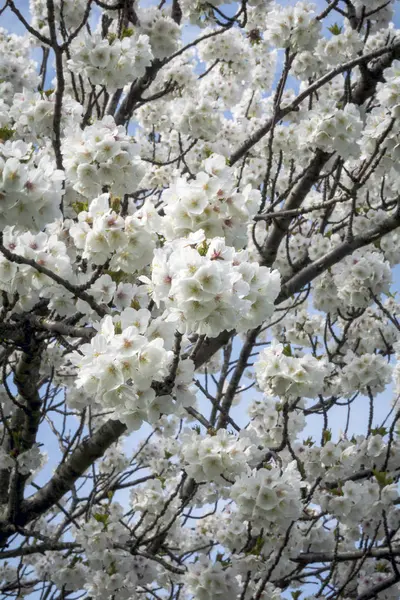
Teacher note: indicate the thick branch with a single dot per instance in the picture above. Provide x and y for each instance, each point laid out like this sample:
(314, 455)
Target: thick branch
(309, 273)
(124, 112)
(26, 424)
(65, 476)
(236, 377)
(321, 557)
(279, 229)
(39, 548)
(52, 327)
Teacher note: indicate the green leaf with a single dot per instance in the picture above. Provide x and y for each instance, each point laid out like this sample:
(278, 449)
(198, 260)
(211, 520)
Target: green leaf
(382, 478)
(335, 29)
(379, 431)
(381, 568)
(117, 276)
(287, 350)
(258, 546)
(101, 518)
(80, 207)
(115, 203)
(203, 248)
(6, 133)
(135, 304)
(112, 569)
(327, 435)
(308, 442)
(127, 32)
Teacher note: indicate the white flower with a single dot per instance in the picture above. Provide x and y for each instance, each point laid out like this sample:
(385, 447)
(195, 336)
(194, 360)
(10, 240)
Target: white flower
(211, 288)
(281, 374)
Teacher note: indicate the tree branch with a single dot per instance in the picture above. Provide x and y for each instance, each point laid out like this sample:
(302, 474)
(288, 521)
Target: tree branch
(309, 273)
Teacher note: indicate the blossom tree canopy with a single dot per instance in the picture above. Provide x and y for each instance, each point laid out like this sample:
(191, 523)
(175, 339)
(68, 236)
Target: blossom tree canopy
(199, 240)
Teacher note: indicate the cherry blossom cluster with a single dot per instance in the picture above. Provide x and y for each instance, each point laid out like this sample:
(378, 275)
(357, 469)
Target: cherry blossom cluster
(389, 92)
(354, 283)
(30, 187)
(110, 569)
(334, 129)
(366, 373)
(72, 12)
(102, 234)
(118, 366)
(201, 121)
(111, 62)
(113, 359)
(26, 463)
(29, 284)
(17, 69)
(380, 124)
(268, 497)
(281, 373)
(211, 203)
(207, 580)
(381, 14)
(361, 277)
(102, 155)
(150, 501)
(352, 496)
(217, 458)
(293, 26)
(340, 47)
(207, 286)
(32, 114)
(162, 31)
(268, 422)
(299, 327)
(231, 48)
(377, 323)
